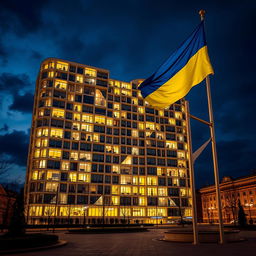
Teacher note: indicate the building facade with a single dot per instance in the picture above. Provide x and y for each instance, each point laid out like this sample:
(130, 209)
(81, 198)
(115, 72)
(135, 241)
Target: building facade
(100, 154)
(233, 191)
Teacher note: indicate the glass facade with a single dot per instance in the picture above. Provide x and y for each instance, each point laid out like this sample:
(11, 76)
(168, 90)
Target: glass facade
(99, 153)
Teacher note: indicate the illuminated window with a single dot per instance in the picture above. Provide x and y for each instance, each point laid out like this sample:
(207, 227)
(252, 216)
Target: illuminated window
(117, 84)
(78, 107)
(53, 175)
(90, 72)
(99, 98)
(152, 191)
(44, 142)
(162, 191)
(62, 66)
(72, 177)
(150, 126)
(76, 126)
(127, 160)
(100, 119)
(65, 165)
(96, 137)
(59, 84)
(181, 154)
(85, 156)
(87, 118)
(43, 153)
(142, 190)
(161, 113)
(75, 135)
(180, 138)
(141, 126)
(141, 110)
(109, 121)
(172, 172)
(134, 101)
(42, 163)
(123, 114)
(83, 177)
(135, 151)
(58, 112)
(74, 155)
(51, 187)
(115, 200)
(138, 211)
(181, 164)
(126, 179)
(175, 182)
(151, 181)
(86, 127)
(71, 97)
(48, 102)
(182, 173)
(77, 117)
(51, 74)
(172, 121)
(41, 112)
(125, 92)
(183, 192)
(135, 133)
(115, 190)
(56, 133)
(142, 180)
(54, 153)
(161, 171)
(116, 91)
(79, 79)
(37, 153)
(116, 106)
(171, 144)
(142, 201)
(139, 94)
(34, 175)
(178, 115)
(126, 190)
(116, 114)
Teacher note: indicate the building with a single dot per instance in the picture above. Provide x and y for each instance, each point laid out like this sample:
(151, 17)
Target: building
(233, 191)
(7, 200)
(100, 154)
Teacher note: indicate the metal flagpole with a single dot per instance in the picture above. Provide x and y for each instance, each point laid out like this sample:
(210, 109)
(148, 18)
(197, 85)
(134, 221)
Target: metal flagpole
(192, 176)
(214, 151)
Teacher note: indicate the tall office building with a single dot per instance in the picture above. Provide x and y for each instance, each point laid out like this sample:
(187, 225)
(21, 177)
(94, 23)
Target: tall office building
(99, 153)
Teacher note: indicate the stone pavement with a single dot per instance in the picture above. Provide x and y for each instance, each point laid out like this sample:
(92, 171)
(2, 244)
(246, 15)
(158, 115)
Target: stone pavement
(144, 243)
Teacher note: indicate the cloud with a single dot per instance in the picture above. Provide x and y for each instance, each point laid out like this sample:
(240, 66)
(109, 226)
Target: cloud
(5, 128)
(14, 146)
(22, 103)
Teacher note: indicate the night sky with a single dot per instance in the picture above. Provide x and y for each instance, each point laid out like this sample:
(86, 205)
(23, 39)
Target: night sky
(131, 39)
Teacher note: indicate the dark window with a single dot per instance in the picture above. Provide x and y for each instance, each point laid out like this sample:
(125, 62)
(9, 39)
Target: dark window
(97, 178)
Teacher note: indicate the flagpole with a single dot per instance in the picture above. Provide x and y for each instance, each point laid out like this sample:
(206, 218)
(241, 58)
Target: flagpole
(214, 151)
(192, 176)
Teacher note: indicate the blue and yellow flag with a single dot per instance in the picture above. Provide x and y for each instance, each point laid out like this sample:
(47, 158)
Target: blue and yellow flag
(185, 68)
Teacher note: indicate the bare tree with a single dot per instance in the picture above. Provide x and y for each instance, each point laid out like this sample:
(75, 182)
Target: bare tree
(4, 166)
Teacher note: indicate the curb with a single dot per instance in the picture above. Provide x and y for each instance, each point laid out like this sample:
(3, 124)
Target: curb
(59, 244)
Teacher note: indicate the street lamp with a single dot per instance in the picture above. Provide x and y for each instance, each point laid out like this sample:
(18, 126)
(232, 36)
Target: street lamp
(249, 206)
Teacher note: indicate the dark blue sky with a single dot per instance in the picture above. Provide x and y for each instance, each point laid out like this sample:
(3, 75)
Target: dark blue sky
(131, 39)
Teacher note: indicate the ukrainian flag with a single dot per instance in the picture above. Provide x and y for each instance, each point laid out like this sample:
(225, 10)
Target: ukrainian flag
(185, 68)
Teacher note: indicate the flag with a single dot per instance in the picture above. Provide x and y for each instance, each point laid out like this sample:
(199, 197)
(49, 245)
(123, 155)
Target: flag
(185, 68)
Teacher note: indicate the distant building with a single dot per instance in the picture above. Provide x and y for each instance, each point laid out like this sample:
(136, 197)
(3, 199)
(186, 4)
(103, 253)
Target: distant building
(7, 200)
(99, 152)
(241, 189)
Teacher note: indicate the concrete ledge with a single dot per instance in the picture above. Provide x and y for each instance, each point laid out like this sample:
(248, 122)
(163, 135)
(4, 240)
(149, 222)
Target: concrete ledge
(32, 249)
(186, 236)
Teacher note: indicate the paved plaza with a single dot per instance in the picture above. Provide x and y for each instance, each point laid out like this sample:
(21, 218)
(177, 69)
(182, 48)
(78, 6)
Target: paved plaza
(144, 243)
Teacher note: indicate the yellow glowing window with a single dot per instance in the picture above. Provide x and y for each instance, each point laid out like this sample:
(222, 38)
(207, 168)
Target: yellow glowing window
(84, 177)
(125, 92)
(127, 160)
(116, 169)
(95, 212)
(56, 133)
(48, 103)
(53, 175)
(160, 135)
(123, 114)
(115, 190)
(150, 126)
(72, 177)
(116, 114)
(83, 167)
(34, 175)
(142, 180)
(79, 79)
(135, 180)
(51, 74)
(135, 190)
(71, 97)
(43, 153)
(182, 173)
(96, 137)
(141, 126)
(76, 126)
(116, 91)
(135, 133)
(152, 191)
(65, 165)
(138, 211)
(90, 72)
(125, 211)
(126, 179)
(79, 88)
(100, 119)
(62, 66)
(135, 151)
(86, 127)
(181, 164)
(134, 101)
(111, 83)
(39, 133)
(117, 83)
(42, 163)
(38, 143)
(126, 190)
(78, 107)
(183, 192)
(87, 118)
(35, 211)
(56, 112)
(59, 84)
(77, 117)
(75, 135)
(74, 155)
(172, 121)
(116, 106)
(41, 113)
(44, 142)
(171, 144)
(62, 199)
(126, 86)
(142, 201)
(175, 182)
(180, 138)
(141, 110)
(178, 115)
(109, 121)
(172, 172)
(54, 153)
(162, 191)
(142, 191)
(45, 66)
(85, 156)
(139, 94)
(151, 181)
(181, 154)
(37, 153)
(99, 98)
(115, 200)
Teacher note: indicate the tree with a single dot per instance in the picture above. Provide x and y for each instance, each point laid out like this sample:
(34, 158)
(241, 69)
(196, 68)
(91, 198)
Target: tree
(4, 166)
(241, 215)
